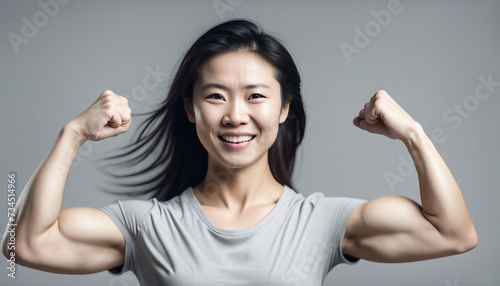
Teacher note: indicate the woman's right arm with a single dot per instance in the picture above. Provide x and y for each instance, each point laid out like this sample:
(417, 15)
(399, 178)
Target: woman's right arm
(74, 240)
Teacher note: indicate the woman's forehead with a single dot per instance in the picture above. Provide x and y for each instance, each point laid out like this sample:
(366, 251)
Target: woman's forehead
(237, 67)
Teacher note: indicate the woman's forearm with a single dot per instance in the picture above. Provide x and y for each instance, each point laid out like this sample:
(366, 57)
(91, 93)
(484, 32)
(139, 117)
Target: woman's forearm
(442, 201)
(40, 202)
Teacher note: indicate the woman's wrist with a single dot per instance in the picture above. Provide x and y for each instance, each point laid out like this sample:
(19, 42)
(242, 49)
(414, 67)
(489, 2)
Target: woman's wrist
(415, 133)
(70, 131)
(419, 145)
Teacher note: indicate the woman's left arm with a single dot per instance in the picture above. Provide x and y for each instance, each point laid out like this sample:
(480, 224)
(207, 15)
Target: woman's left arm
(395, 228)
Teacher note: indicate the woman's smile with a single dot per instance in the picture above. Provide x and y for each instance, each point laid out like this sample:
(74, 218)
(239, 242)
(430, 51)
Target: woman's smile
(236, 141)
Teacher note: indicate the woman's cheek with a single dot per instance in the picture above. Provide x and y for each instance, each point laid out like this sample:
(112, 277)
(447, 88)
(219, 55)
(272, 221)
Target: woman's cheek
(205, 116)
(269, 119)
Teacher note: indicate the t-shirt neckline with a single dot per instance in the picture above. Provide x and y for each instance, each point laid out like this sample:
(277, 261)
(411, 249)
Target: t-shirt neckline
(203, 216)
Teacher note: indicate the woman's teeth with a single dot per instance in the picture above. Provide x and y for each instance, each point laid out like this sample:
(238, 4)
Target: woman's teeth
(236, 139)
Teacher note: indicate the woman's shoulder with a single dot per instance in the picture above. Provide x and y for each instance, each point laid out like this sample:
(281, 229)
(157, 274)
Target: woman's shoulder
(321, 198)
(140, 208)
(130, 208)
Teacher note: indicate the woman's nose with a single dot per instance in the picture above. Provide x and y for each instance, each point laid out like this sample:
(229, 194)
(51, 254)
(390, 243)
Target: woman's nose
(236, 113)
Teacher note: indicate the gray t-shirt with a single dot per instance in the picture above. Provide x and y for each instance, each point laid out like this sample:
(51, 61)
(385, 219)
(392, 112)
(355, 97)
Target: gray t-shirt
(175, 243)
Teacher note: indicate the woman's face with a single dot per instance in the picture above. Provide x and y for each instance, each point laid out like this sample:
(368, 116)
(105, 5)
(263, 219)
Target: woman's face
(237, 108)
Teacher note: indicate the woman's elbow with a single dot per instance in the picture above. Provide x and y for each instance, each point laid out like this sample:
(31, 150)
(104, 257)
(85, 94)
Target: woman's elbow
(467, 242)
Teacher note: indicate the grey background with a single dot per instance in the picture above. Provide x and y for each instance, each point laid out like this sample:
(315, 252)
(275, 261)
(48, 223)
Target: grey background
(428, 58)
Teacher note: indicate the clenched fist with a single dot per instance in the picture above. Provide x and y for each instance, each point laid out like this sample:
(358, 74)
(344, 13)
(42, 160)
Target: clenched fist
(108, 116)
(382, 115)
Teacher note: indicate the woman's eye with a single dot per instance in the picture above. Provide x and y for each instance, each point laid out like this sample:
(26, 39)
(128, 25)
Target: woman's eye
(216, 96)
(256, 95)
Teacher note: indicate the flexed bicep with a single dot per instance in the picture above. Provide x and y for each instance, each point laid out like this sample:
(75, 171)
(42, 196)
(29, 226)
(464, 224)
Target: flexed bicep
(393, 229)
(83, 240)
(77, 240)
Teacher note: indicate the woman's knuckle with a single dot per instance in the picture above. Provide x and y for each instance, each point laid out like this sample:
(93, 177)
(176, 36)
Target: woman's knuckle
(127, 116)
(107, 92)
(379, 104)
(107, 104)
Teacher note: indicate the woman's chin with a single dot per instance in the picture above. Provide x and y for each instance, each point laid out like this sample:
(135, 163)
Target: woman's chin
(238, 161)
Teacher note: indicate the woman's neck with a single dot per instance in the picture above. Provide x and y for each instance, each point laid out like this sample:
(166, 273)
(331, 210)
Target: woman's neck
(238, 189)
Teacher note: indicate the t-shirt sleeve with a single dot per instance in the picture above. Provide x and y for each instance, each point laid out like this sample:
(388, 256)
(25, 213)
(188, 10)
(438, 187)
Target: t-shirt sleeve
(128, 216)
(340, 210)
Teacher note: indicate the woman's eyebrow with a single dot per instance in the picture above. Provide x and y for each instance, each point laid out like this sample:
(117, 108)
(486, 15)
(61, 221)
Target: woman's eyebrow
(220, 86)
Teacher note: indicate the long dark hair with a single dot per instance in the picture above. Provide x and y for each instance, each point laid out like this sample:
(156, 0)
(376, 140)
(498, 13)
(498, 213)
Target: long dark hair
(179, 160)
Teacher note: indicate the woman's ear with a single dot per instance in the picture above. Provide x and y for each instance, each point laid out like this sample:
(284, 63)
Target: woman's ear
(188, 107)
(284, 111)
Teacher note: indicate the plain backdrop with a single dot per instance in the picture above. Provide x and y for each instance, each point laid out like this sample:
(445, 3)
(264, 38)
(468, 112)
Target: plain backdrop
(431, 56)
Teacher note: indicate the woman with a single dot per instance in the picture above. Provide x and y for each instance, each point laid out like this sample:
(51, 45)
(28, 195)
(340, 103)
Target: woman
(223, 210)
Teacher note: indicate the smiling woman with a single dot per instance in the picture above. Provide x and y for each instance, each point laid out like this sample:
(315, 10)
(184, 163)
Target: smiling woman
(231, 61)
(223, 211)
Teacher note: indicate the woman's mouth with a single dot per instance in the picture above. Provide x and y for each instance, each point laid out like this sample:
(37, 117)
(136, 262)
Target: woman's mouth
(236, 142)
(236, 139)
